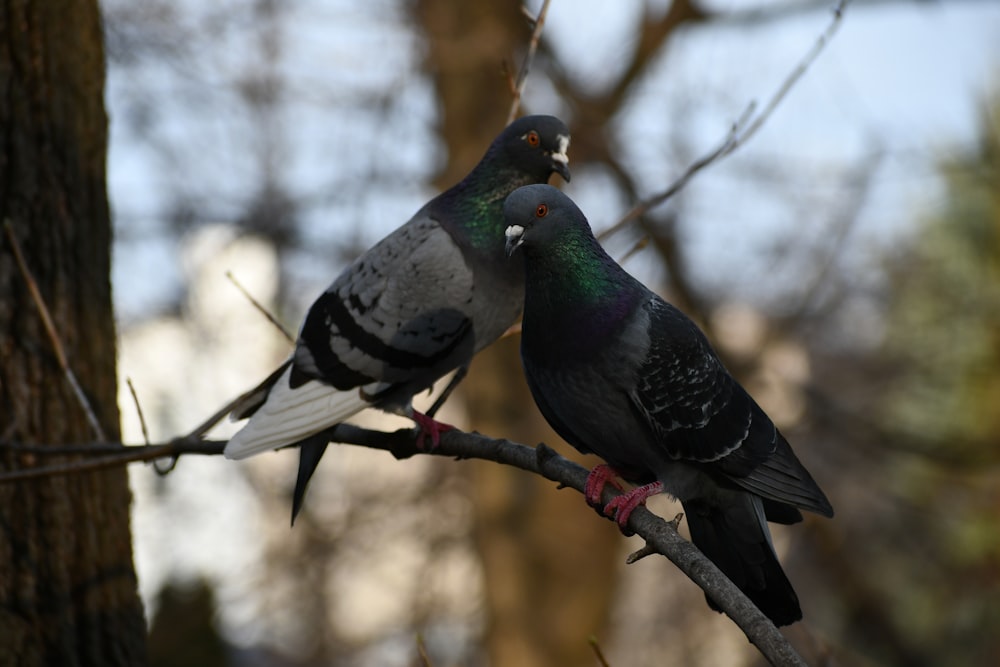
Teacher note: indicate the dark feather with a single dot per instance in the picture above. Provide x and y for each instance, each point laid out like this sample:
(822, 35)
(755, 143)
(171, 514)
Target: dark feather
(621, 373)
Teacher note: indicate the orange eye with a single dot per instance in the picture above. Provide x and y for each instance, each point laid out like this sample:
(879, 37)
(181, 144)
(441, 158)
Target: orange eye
(533, 139)
(541, 211)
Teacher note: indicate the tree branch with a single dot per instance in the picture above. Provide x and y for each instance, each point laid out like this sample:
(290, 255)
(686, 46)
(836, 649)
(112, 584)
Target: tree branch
(747, 125)
(50, 329)
(518, 86)
(260, 308)
(660, 536)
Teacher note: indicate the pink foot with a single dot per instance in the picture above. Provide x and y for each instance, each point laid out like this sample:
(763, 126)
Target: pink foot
(429, 427)
(621, 508)
(599, 477)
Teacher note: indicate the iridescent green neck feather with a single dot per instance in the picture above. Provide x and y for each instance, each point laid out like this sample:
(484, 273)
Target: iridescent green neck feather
(572, 284)
(475, 205)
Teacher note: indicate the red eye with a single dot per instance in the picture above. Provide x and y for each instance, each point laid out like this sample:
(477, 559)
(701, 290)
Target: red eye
(533, 139)
(541, 211)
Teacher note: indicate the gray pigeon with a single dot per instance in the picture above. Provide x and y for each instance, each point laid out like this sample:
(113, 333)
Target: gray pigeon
(619, 372)
(414, 307)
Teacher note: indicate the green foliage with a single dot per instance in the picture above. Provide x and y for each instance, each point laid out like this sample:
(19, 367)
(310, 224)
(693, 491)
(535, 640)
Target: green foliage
(945, 319)
(943, 332)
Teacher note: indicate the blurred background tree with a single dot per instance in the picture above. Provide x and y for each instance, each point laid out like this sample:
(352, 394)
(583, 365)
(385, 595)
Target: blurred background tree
(851, 289)
(69, 590)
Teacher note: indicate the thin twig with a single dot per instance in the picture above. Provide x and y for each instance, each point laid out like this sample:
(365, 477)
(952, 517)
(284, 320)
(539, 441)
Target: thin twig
(845, 220)
(138, 410)
(598, 653)
(219, 415)
(508, 74)
(636, 556)
(111, 455)
(639, 246)
(722, 149)
(160, 470)
(90, 448)
(425, 659)
(796, 74)
(256, 304)
(650, 549)
(745, 127)
(522, 76)
(50, 328)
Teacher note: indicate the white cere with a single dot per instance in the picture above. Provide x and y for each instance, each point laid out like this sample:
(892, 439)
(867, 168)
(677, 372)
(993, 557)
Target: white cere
(561, 155)
(514, 232)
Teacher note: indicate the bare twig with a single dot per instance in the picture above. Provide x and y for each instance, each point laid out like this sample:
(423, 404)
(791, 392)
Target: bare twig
(636, 556)
(50, 329)
(145, 432)
(721, 150)
(425, 659)
(138, 410)
(90, 448)
(649, 549)
(639, 246)
(844, 221)
(745, 127)
(508, 74)
(598, 653)
(796, 74)
(103, 455)
(256, 304)
(540, 460)
(522, 76)
(221, 413)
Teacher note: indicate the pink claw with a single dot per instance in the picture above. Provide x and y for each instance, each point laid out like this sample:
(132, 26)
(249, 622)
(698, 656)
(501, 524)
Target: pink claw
(599, 477)
(429, 427)
(621, 508)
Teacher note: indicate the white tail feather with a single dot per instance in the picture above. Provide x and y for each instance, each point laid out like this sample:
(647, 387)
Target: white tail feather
(289, 415)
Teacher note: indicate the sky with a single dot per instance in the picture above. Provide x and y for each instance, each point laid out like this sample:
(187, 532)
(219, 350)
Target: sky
(899, 86)
(900, 79)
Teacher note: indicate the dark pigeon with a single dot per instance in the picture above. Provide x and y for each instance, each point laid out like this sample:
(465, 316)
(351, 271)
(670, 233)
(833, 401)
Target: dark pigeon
(621, 373)
(416, 306)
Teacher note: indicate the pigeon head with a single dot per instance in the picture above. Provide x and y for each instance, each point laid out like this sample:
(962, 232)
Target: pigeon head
(571, 284)
(537, 145)
(539, 216)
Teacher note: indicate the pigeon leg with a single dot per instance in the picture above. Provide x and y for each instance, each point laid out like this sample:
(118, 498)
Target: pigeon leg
(599, 477)
(622, 506)
(427, 426)
(455, 379)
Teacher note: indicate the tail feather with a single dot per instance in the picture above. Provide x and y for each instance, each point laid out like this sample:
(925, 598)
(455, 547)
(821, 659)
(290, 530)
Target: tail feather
(784, 479)
(735, 537)
(310, 453)
(289, 415)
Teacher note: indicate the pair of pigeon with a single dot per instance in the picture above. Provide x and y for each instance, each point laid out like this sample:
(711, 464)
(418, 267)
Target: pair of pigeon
(615, 369)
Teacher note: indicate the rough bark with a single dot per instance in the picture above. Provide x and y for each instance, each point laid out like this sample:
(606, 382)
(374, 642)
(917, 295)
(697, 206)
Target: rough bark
(549, 567)
(68, 593)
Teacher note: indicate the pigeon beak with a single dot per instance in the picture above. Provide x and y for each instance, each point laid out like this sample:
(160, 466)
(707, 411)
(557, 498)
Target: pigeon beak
(514, 236)
(560, 161)
(561, 168)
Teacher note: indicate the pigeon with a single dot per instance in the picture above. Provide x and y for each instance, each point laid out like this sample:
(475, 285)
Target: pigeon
(414, 307)
(620, 373)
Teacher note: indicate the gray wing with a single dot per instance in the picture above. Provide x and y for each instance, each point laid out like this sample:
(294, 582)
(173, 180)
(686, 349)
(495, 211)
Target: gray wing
(398, 315)
(699, 413)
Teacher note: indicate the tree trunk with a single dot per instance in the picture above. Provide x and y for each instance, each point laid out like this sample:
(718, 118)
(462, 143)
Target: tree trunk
(67, 582)
(548, 562)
